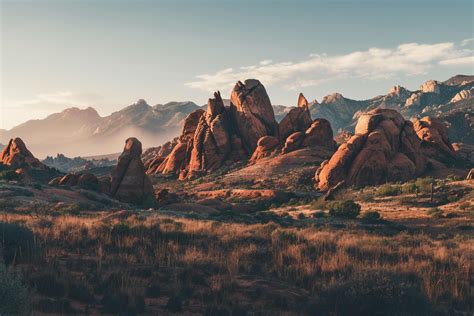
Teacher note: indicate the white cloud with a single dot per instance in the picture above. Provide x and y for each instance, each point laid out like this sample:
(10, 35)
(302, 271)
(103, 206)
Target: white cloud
(459, 61)
(374, 63)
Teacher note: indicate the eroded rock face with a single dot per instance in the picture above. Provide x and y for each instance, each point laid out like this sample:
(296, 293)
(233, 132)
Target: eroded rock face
(128, 181)
(434, 139)
(254, 113)
(297, 120)
(266, 146)
(84, 180)
(211, 143)
(430, 86)
(221, 134)
(384, 148)
(319, 134)
(16, 155)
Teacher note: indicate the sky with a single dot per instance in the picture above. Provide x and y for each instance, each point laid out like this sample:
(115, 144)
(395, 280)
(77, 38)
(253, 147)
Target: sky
(108, 54)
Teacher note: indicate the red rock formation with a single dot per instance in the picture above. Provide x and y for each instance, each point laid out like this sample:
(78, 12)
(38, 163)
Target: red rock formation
(319, 134)
(16, 155)
(384, 148)
(266, 146)
(434, 139)
(254, 113)
(293, 142)
(128, 181)
(297, 120)
(211, 143)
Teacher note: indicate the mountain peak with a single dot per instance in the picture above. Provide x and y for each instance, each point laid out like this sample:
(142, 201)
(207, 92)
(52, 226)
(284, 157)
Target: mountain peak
(332, 98)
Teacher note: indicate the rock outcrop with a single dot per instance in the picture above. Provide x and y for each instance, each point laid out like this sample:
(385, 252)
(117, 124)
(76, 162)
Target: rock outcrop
(384, 148)
(128, 181)
(16, 155)
(266, 146)
(297, 120)
(253, 113)
(434, 139)
(221, 134)
(84, 180)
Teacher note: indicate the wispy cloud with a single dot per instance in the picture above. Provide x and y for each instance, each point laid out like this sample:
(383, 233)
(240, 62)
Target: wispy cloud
(374, 63)
(60, 98)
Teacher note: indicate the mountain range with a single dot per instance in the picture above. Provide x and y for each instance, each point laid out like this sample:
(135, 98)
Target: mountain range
(82, 132)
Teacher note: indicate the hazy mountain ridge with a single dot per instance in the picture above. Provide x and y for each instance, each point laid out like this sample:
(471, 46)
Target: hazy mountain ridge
(79, 132)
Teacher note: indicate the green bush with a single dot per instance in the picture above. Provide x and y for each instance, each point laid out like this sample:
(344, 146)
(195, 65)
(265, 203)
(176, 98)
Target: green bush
(345, 208)
(14, 296)
(17, 242)
(388, 190)
(371, 216)
(9, 175)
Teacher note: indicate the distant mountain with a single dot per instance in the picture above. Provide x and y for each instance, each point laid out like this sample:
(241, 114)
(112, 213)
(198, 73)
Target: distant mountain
(82, 132)
(452, 100)
(75, 132)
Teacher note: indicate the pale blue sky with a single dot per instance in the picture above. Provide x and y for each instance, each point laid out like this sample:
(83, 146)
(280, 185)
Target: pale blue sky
(108, 54)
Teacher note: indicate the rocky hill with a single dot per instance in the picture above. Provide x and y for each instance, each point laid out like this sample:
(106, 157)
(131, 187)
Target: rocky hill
(75, 132)
(452, 100)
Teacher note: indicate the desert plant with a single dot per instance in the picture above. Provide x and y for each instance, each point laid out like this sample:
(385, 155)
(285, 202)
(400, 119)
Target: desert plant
(17, 242)
(424, 184)
(435, 212)
(345, 208)
(371, 216)
(388, 190)
(375, 293)
(9, 175)
(14, 296)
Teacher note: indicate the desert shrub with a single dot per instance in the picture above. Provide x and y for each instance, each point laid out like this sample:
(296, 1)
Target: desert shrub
(435, 212)
(388, 190)
(301, 216)
(120, 229)
(465, 206)
(409, 188)
(80, 292)
(423, 184)
(17, 242)
(345, 208)
(371, 216)
(174, 304)
(9, 175)
(153, 290)
(14, 296)
(319, 204)
(284, 237)
(374, 293)
(56, 306)
(123, 304)
(319, 214)
(48, 284)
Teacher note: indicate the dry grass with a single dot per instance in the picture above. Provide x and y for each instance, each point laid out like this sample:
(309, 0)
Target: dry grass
(210, 266)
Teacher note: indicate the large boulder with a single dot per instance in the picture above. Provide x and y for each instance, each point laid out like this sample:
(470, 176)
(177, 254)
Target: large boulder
(128, 181)
(254, 113)
(266, 146)
(384, 148)
(434, 139)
